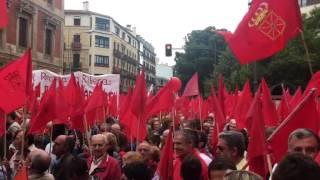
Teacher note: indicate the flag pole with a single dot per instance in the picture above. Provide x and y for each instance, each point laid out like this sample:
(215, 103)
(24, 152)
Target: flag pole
(268, 156)
(200, 113)
(299, 106)
(307, 52)
(87, 133)
(24, 125)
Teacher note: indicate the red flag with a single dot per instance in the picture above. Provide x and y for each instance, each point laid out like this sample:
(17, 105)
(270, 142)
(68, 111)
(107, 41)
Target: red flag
(22, 174)
(165, 166)
(242, 106)
(268, 107)
(3, 14)
(138, 102)
(16, 83)
(96, 100)
(265, 29)
(305, 115)
(283, 108)
(46, 111)
(162, 101)
(222, 94)
(192, 87)
(296, 98)
(257, 148)
(220, 120)
(61, 105)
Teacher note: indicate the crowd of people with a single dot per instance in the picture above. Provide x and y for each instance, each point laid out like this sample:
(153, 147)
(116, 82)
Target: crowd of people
(106, 153)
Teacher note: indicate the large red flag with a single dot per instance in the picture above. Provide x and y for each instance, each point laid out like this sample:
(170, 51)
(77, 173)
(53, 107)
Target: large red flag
(222, 94)
(162, 101)
(265, 29)
(305, 115)
(61, 105)
(3, 14)
(46, 111)
(16, 83)
(243, 105)
(165, 166)
(268, 107)
(220, 120)
(257, 148)
(192, 87)
(138, 102)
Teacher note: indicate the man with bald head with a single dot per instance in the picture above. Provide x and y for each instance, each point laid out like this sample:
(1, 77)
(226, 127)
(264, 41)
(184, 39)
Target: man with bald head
(62, 148)
(38, 162)
(101, 165)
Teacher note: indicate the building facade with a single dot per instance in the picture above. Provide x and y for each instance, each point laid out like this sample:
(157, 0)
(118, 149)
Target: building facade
(148, 60)
(97, 44)
(308, 5)
(35, 24)
(163, 73)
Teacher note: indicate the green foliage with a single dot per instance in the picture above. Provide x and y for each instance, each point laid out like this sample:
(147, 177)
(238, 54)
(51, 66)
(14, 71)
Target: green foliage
(206, 53)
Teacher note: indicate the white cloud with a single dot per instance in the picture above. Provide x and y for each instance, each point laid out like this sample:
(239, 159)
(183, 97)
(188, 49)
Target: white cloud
(168, 21)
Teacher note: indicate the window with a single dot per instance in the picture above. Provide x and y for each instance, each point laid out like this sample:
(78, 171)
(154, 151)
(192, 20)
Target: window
(48, 42)
(102, 24)
(102, 61)
(123, 35)
(90, 60)
(76, 38)
(23, 32)
(117, 31)
(102, 42)
(129, 40)
(76, 62)
(76, 21)
(50, 2)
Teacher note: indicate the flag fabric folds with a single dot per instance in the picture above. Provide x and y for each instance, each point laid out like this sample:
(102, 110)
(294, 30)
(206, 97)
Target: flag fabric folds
(305, 115)
(16, 83)
(192, 87)
(3, 14)
(265, 29)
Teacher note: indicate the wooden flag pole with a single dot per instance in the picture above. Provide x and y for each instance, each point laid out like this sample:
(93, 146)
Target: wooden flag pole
(268, 156)
(307, 52)
(87, 133)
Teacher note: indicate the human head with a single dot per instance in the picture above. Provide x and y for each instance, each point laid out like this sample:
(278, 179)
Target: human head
(59, 147)
(99, 145)
(191, 168)
(38, 161)
(28, 139)
(232, 125)
(183, 143)
(297, 166)
(137, 170)
(231, 146)
(115, 127)
(304, 141)
(79, 169)
(131, 156)
(164, 135)
(103, 128)
(247, 175)
(156, 125)
(112, 141)
(219, 167)
(63, 144)
(144, 149)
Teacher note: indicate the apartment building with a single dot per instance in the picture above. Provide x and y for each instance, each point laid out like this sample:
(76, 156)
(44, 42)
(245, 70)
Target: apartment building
(148, 60)
(97, 44)
(308, 5)
(35, 24)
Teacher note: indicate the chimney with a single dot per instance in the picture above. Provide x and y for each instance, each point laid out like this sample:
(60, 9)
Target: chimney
(85, 5)
(134, 31)
(129, 27)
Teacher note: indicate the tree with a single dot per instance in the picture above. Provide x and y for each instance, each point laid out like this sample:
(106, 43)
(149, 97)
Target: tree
(202, 50)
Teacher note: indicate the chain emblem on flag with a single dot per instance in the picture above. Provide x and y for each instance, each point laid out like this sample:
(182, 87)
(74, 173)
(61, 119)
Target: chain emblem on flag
(15, 80)
(267, 22)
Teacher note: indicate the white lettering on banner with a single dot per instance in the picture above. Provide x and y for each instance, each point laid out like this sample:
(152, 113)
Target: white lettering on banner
(110, 82)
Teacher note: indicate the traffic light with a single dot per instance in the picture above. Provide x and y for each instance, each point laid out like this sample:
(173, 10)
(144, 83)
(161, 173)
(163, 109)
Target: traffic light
(168, 49)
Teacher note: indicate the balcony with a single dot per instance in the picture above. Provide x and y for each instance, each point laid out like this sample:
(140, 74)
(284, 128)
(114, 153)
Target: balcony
(76, 45)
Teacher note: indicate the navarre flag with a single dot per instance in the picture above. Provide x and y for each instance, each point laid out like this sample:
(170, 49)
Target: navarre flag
(265, 29)
(16, 83)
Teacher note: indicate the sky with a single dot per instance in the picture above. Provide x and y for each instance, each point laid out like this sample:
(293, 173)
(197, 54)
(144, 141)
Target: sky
(163, 22)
